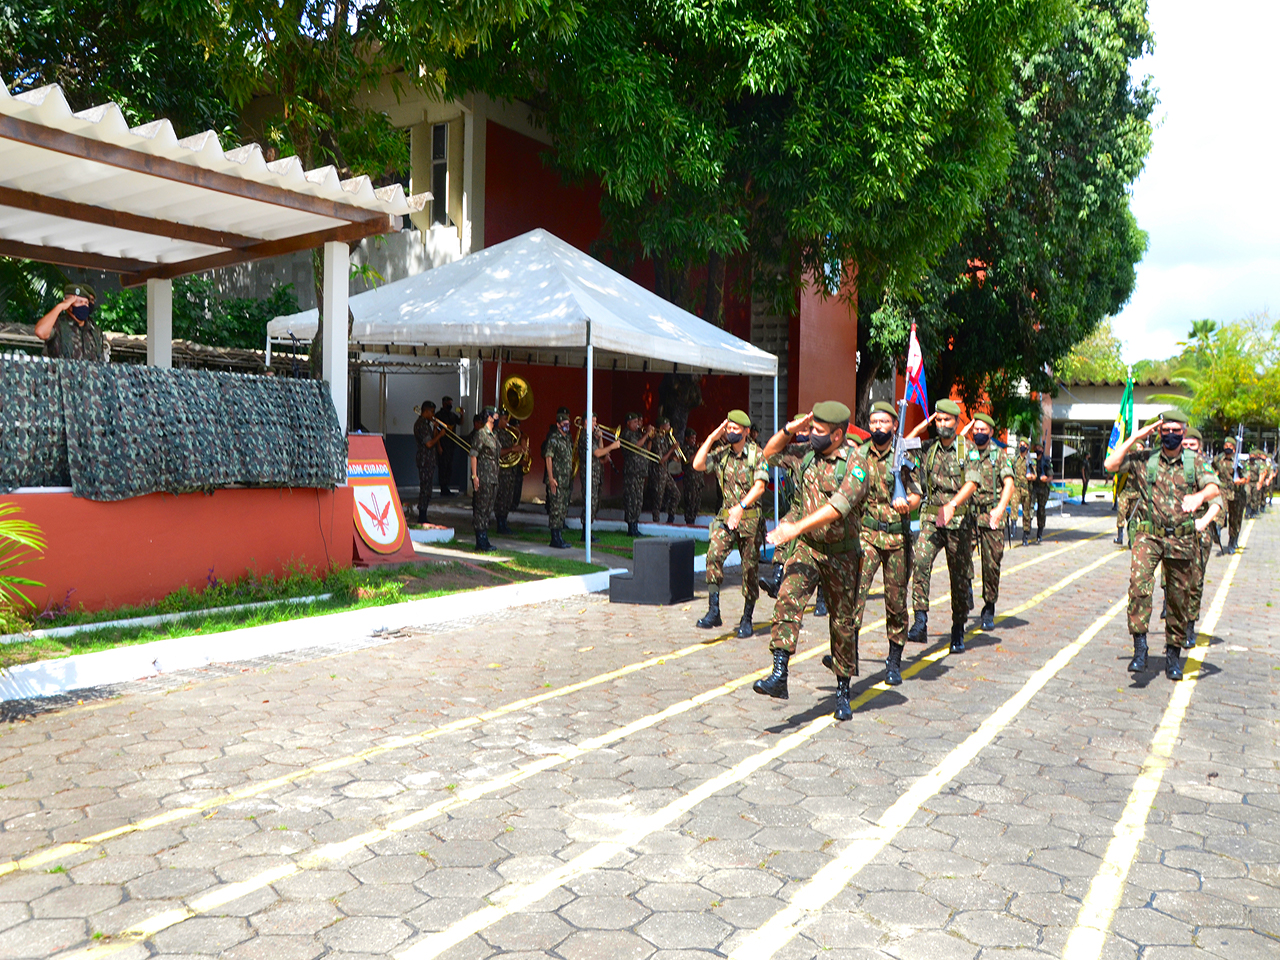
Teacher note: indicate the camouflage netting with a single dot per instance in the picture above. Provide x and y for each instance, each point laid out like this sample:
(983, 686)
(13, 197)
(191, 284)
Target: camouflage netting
(114, 431)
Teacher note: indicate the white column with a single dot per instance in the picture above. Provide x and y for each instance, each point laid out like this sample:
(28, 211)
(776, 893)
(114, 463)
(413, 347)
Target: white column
(333, 366)
(160, 323)
(587, 467)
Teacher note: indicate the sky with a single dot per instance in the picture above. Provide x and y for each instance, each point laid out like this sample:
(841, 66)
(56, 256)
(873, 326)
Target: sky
(1209, 197)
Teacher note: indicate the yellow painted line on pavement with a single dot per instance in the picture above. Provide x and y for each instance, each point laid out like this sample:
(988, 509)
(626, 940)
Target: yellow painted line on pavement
(1093, 923)
(61, 851)
(810, 899)
(222, 895)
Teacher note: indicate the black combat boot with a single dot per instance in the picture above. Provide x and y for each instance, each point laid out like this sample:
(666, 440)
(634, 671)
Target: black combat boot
(1189, 640)
(712, 619)
(745, 626)
(633, 529)
(1039, 535)
(842, 711)
(422, 517)
(893, 665)
(1164, 607)
(1026, 539)
(820, 608)
(919, 632)
(1119, 541)
(771, 584)
(482, 541)
(557, 540)
(671, 519)
(957, 637)
(968, 595)
(502, 525)
(988, 616)
(775, 685)
(1173, 662)
(1231, 546)
(1139, 661)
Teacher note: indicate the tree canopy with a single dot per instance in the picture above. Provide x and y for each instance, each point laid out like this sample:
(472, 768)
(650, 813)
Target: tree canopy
(1096, 357)
(1055, 246)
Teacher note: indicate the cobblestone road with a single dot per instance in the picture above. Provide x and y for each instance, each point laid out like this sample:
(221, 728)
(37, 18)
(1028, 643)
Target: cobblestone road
(582, 780)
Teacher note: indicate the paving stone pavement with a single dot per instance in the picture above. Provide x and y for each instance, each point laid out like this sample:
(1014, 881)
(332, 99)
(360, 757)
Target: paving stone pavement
(311, 806)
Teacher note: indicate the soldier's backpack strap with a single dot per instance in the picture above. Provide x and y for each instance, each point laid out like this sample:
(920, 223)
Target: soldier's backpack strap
(841, 468)
(1188, 467)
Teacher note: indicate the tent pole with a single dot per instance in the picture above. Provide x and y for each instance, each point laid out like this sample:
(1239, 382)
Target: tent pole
(497, 382)
(588, 466)
(775, 469)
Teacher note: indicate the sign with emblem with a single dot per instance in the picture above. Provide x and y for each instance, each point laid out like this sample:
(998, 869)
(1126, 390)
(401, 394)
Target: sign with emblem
(379, 519)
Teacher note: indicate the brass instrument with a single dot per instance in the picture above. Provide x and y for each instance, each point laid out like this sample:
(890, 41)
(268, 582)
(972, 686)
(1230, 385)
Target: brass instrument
(577, 438)
(517, 397)
(518, 456)
(679, 450)
(448, 432)
(616, 434)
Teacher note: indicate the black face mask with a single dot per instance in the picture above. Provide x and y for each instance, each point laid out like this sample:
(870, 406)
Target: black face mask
(946, 433)
(981, 439)
(564, 426)
(1022, 449)
(81, 313)
(820, 443)
(1171, 441)
(881, 437)
(733, 437)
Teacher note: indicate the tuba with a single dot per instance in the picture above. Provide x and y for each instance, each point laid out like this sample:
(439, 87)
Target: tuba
(517, 397)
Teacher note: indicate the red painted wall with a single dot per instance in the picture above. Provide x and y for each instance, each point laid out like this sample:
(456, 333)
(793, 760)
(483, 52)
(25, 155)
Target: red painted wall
(139, 550)
(828, 349)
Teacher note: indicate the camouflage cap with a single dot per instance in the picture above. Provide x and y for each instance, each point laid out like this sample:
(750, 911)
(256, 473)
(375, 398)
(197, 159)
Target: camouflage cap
(883, 406)
(1229, 442)
(79, 290)
(664, 421)
(633, 416)
(739, 417)
(947, 406)
(1257, 452)
(831, 412)
(1194, 434)
(1175, 416)
(487, 412)
(985, 418)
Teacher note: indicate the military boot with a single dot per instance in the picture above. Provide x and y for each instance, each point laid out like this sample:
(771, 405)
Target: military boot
(820, 608)
(1189, 640)
(633, 529)
(919, 632)
(1119, 541)
(745, 626)
(1039, 535)
(712, 618)
(1026, 539)
(557, 540)
(1139, 661)
(842, 711)
(775, 685)
(968, 595)
(771, 583)
(482, 541)
(893, 665)
(988, 616)
(422, 516)
(957, 637)
(502, 525)
(1173, 662)
(1164, 607)
(1231, 546)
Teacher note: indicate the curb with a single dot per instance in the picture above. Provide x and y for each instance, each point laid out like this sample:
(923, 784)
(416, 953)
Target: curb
(50, 677)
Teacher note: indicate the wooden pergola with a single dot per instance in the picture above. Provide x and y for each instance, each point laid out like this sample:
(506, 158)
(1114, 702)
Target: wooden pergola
(85, 190)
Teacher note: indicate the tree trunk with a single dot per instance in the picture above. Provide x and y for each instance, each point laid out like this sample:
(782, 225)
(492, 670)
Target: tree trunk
(713, 308)
(868, 373)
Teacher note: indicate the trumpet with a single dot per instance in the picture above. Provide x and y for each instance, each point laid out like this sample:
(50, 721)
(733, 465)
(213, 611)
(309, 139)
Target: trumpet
(616, 434)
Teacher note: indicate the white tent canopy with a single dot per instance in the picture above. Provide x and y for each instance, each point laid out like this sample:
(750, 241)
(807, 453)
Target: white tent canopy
(535, 298)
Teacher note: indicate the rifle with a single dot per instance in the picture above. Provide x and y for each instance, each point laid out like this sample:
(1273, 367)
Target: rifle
(1235, 461)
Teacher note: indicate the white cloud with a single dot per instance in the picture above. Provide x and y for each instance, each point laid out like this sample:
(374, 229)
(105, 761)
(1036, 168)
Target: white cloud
(1210, 195)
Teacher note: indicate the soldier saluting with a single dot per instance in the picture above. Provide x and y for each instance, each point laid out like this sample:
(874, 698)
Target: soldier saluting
(1173, 484)
(950, 475)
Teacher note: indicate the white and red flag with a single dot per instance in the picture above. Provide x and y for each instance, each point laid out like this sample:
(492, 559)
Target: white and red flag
(916, 392)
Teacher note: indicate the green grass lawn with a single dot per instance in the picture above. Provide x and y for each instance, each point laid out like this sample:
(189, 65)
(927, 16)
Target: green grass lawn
(352, 590)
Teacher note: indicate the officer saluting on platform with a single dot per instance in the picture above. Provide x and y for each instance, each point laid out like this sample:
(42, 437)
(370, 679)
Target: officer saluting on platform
(1173, 483)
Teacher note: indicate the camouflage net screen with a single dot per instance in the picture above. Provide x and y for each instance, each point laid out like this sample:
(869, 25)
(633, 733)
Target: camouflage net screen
(114, 431)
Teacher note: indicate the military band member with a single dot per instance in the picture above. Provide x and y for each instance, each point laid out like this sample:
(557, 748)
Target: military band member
(1040, 480)
(484, 476)
(949, 476)
(1210, 512)
(665, 493)
(1173, 483)
(593, 450)
(508, 435)
(557, 457)
(886, 535)
(1232, 494)
(995, 489)
(739, 469)
(428, 433)
(691, 484)
(832, 483)
(449, 420)
(635, 468)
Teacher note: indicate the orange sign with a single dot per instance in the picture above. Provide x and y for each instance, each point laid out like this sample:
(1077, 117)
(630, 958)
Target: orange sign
(379, 518)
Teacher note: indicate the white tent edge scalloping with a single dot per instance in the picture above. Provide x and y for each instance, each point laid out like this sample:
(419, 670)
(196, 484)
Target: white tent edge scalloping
(536, 292)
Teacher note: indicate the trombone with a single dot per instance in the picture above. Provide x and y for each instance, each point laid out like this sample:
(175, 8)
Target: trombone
(678, 450)
(616, 434)
(448, 432)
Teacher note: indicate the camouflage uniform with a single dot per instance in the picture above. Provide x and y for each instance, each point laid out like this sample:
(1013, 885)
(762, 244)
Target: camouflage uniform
(830, 557)
(666, 495)
(944, 472)
(736, 474)
(559, 448)
(509, 478)
(1127, 508)
(1204, 541)
(484, 447)
(1039, 492)
(1022, 492)
(635, 468)
(692, 484)
(993, 467)
(587, 445)
(74, 341)
(1164, 535)
(1232, 496)
(424, 431)
(886, 544)
(1254, 474)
